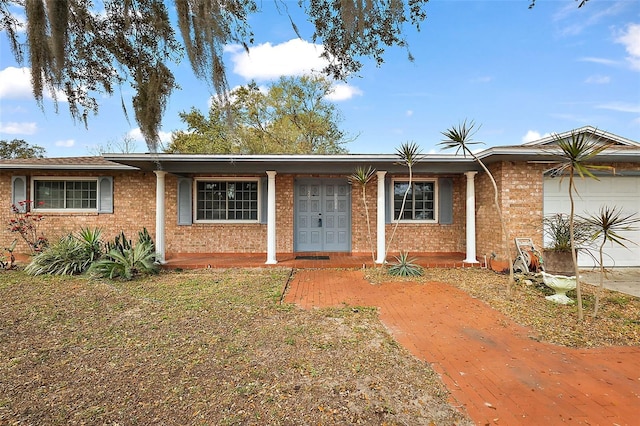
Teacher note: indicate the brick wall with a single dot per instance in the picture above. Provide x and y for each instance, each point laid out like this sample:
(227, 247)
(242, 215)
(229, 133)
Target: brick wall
(521, 198)
(433, 237)
(132, 210)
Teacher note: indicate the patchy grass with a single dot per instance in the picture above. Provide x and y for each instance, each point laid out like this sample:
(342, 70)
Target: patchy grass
(201, 347)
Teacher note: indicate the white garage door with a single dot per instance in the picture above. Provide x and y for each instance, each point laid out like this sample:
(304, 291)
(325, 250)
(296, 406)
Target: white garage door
(619, 191)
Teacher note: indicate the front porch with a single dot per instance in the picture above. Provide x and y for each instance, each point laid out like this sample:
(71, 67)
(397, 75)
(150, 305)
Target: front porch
(308, 260)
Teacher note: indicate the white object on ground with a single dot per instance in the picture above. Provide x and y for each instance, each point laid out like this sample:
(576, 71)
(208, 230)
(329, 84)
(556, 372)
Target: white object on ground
(560, 284)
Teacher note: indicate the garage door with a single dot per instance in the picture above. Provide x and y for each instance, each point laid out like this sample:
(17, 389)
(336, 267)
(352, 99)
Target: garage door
(623, 192)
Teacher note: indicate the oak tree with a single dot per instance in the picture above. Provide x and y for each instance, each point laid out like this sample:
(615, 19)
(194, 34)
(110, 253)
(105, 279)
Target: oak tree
(290, 116)
(19, 148)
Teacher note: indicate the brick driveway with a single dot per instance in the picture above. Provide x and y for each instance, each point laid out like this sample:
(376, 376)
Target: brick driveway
(489, 364)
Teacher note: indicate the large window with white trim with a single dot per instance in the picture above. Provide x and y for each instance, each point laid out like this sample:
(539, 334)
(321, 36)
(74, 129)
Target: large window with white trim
(65, 194)
(420, 202)
(227, 200)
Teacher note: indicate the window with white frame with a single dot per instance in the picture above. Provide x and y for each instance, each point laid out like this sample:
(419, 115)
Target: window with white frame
(65, 194)
(227, 200)
(421, 200)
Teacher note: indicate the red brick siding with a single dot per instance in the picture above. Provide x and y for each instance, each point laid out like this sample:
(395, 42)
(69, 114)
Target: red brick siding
(433, 237)
(521, 198)
(132, 210)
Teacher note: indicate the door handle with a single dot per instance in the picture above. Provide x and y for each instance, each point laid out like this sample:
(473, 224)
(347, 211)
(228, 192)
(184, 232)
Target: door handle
(319, 220)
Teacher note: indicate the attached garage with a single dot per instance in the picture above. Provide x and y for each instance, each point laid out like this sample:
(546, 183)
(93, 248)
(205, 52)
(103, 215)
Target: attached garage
(620, 191)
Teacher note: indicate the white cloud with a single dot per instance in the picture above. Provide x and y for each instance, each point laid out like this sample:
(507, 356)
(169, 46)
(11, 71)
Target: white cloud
(533, 135)
(409, 112)
(630, 38)
(136, 135)
(342, 92)
(574, 20)
(15, 83)
(620, 107)
(598, 79)
(68, 143)
(267, 61)
(602, 61)
(482, 79)
(15, 128)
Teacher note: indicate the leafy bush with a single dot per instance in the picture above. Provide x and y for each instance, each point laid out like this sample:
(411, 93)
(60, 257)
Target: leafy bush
(126, 260)
(405, 267)
(556, 229)
(26, 224)
(71, 255)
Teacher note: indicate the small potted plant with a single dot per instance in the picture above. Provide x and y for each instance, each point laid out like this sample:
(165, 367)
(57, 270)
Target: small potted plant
(557, 248)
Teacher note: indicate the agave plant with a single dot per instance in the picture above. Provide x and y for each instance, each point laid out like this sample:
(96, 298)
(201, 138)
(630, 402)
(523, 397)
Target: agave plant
(607, 226)
(405, 266)
(126, 260)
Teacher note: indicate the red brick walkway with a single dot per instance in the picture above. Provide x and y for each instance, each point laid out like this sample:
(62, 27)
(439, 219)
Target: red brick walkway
(490, 365)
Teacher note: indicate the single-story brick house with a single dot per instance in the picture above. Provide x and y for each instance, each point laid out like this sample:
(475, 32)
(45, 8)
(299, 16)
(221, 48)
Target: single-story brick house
(275, 204)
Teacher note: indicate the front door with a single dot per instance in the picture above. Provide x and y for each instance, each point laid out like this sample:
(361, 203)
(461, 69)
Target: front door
(322, 215)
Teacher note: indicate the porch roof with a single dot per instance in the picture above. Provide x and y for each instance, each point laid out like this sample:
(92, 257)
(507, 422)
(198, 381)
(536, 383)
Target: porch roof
(346, 163)
(315, 164)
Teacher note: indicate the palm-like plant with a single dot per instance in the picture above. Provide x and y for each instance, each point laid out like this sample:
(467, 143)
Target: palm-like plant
(607, 226)
(575, 156)
(405, 266)
(361, 177)
(126, 260)
(127, 263)
(409, 154)
(460, 137)
(72, 254)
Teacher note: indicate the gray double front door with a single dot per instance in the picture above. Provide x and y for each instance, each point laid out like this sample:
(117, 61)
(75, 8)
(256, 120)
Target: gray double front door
(322, 212)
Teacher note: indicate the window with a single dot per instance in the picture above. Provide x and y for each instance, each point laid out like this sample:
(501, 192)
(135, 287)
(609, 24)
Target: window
(227, 200)
(65, 194)
(421, 200)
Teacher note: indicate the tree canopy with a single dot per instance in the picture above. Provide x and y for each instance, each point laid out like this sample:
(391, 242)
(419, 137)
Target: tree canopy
(291, 116)
(18, 148)
(86, 49)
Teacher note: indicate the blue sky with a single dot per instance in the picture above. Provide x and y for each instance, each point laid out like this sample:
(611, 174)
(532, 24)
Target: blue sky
(520, 73)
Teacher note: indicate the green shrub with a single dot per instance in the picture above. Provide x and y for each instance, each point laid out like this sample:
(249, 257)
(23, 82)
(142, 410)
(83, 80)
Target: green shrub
(126, 260)
(71, 255)
(405, 267)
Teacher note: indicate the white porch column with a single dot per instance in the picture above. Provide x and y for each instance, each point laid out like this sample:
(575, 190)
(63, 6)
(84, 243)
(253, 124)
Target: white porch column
(160, 214)
(271, 218)
(471, 218)
(380, 223)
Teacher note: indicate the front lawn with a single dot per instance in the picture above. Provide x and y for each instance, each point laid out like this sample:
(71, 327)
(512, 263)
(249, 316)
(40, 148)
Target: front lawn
(201, 347)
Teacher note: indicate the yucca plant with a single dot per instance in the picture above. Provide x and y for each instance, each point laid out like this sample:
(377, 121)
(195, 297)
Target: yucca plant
(606, 226)
(361, 177)
(91, 239)
(126, 260)
(460, 137)
(70, 255)
(409, 154)
(405, 266)
(576, 154)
